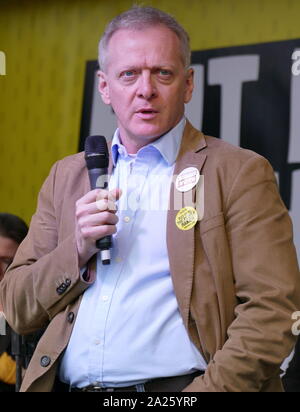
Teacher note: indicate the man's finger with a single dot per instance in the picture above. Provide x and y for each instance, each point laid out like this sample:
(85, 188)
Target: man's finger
(112, 197)
(102, 205)
(92, 196)
(115, 194)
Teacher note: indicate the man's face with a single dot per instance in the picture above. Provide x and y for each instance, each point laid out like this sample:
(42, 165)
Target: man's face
(8, 248)
(146, 83)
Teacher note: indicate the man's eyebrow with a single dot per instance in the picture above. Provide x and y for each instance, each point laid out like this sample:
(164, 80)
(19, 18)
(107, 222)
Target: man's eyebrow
(163, 66)
(155, 67)
(125, 68)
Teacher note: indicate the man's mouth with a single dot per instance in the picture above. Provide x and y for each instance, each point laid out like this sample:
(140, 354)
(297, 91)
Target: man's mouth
(146, 113)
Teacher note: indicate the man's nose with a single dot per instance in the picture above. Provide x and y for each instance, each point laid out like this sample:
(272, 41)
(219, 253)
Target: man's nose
(146, 87)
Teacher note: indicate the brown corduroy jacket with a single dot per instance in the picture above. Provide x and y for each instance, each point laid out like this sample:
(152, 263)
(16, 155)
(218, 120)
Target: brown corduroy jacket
(235, 274)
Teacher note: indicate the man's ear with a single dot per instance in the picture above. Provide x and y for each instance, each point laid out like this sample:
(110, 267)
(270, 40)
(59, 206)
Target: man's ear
(103, 87)
(189, 85)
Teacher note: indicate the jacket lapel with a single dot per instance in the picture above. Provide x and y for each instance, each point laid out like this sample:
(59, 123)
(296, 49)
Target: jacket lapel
(180, 243)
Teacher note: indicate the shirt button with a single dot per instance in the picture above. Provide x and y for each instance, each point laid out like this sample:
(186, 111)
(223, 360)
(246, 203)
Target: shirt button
(97, 342)
(105, 298)
(126, 219)
(118, 259)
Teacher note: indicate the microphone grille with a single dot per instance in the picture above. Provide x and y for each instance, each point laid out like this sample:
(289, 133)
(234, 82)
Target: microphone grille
(96, 152)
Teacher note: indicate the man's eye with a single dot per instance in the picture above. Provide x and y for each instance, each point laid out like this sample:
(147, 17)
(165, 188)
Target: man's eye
(128, 73)
(165, 72)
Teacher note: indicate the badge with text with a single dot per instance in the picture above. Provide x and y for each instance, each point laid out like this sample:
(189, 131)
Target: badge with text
(187, 179)
(186, 218)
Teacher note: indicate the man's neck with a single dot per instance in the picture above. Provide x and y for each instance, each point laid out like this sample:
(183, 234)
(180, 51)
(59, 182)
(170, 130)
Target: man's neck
(133, 145)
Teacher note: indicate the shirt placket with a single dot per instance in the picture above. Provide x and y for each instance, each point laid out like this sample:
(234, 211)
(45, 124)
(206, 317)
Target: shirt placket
(136, 173)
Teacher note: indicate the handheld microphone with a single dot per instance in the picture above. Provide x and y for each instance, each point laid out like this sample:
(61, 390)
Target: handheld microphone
(97, 160)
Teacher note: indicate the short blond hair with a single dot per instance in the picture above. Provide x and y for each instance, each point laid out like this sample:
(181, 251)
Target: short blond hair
(139, 18)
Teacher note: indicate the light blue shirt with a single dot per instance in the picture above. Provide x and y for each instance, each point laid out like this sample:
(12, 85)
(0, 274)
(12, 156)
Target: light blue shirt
(128, 328)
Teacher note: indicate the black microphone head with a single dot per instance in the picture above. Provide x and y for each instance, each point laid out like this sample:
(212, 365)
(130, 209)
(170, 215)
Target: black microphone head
(96, 152)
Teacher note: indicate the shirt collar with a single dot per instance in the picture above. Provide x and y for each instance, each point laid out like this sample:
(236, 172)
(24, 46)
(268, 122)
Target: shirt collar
(168, 145)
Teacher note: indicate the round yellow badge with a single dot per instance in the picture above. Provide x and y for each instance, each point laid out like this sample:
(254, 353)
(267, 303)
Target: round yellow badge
(186, 218)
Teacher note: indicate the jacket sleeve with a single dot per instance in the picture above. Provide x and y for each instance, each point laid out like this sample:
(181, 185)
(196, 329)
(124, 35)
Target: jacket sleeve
(267, 284)
(44, 276)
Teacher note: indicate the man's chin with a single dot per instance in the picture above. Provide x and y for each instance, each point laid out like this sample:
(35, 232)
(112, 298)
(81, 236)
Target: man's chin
(142, 134)
(149, 133)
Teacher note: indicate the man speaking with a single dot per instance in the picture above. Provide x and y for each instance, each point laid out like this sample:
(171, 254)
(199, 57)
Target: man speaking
(203, 278)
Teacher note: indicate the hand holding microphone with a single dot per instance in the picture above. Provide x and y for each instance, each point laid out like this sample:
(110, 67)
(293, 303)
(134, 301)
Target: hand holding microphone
(96, 211)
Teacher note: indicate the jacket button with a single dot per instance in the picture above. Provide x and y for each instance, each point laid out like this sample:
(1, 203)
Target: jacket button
(68, 282)
(45, 361)
(61, 289)
(71, 317)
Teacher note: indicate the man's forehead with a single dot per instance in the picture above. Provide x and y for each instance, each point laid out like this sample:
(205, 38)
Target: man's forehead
(154, 36)
(158, 45)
